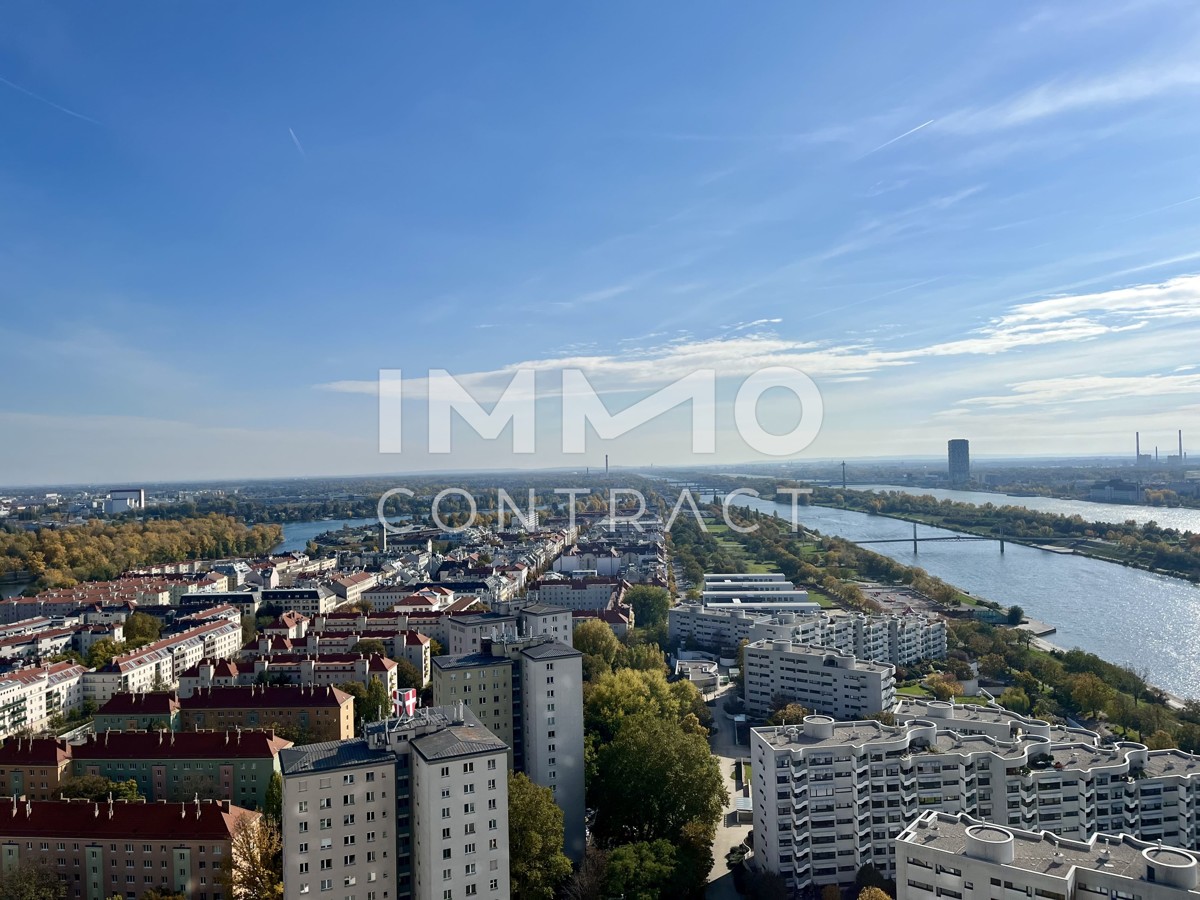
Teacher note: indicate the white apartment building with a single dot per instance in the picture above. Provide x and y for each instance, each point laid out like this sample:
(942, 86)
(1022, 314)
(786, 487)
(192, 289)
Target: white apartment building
(158, 666)
(29, 697)
(415, 810)
(897, 639)
(541, 618)
(577, 593)
(467, 633)
(715, 578)
(529, 691)
(820, 679)
(830, 797)
(942, 855)
(314, 600)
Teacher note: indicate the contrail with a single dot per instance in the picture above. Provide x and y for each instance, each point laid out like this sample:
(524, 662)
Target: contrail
(41, 99)
(1159, 209)
(899, 137)
(296, 141)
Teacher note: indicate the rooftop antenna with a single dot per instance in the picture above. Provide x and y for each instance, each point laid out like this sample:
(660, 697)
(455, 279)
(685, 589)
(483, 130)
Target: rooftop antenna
(843, 474)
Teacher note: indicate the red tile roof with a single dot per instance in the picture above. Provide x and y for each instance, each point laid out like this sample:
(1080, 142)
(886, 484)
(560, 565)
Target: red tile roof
(272, 696)
(151, 703)
(34, 752)
(172, 822)
(126, 745)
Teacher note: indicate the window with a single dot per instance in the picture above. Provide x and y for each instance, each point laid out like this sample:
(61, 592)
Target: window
(348, 779)
(468, 809)
(491, 765)
(445, 771)
(302, 806)
(468, 768)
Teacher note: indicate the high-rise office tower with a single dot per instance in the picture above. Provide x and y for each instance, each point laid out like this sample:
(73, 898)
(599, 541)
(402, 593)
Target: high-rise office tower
(960, 461)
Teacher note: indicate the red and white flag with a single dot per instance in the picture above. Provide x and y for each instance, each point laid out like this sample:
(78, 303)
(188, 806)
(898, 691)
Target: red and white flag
(404, 702)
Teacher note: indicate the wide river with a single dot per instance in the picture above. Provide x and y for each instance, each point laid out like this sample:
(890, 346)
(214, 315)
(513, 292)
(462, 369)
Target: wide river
(1124, 615)
(1166, 517)
(296, 535)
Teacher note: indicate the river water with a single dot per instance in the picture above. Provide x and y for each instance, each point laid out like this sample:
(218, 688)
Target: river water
(1123, 615)
(1166, 517)
(296, 535)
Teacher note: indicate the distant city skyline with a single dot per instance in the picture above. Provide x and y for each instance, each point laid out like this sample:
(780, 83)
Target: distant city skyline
(982, 223)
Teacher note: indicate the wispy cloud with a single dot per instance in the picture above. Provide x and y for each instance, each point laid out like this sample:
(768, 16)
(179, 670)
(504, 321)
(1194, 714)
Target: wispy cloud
(50, 103)
(1088, 389)
(1048, 322)
(898, 137)
(296, 141)
(757, 323)
(1059, 97)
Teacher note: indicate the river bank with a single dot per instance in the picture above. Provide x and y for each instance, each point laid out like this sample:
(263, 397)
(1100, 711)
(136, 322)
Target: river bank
(1093, 548)
(1122, 614)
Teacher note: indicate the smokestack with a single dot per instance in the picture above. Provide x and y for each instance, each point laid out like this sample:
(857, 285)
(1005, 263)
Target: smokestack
(1137, 444)
(1180, 445)
(605, 465)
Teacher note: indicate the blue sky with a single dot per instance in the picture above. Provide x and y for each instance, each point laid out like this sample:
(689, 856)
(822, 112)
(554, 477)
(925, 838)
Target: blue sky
(220, 221)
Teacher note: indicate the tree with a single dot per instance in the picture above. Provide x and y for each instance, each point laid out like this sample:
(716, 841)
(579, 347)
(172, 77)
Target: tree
(1160, 740)
(1017, 700)
(993, 665)
(162, 894)
(944, 687)
(831, 892)
(378, 703)
(619, 695)
(595, 638)
(370, 647)
(273, 802)
(641, 871)
(652, 779)
(788, 714)
(436, 648)
(693, 859)
(537, 864)
(588, 881)
(650, 604)
(363, 605)
(29, 881)
(594, 667)
(408, 675)
(254, 868)
(141, 629)
(1088, 692)
(647, 657)
(100, 654)
(98, 788)
(1016, 616)
(873, 893)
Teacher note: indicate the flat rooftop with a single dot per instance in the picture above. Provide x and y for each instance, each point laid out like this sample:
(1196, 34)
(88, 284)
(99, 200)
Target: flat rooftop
(1048, 854)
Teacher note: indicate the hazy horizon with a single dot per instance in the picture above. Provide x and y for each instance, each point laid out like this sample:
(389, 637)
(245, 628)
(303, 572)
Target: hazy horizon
(977, 221)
